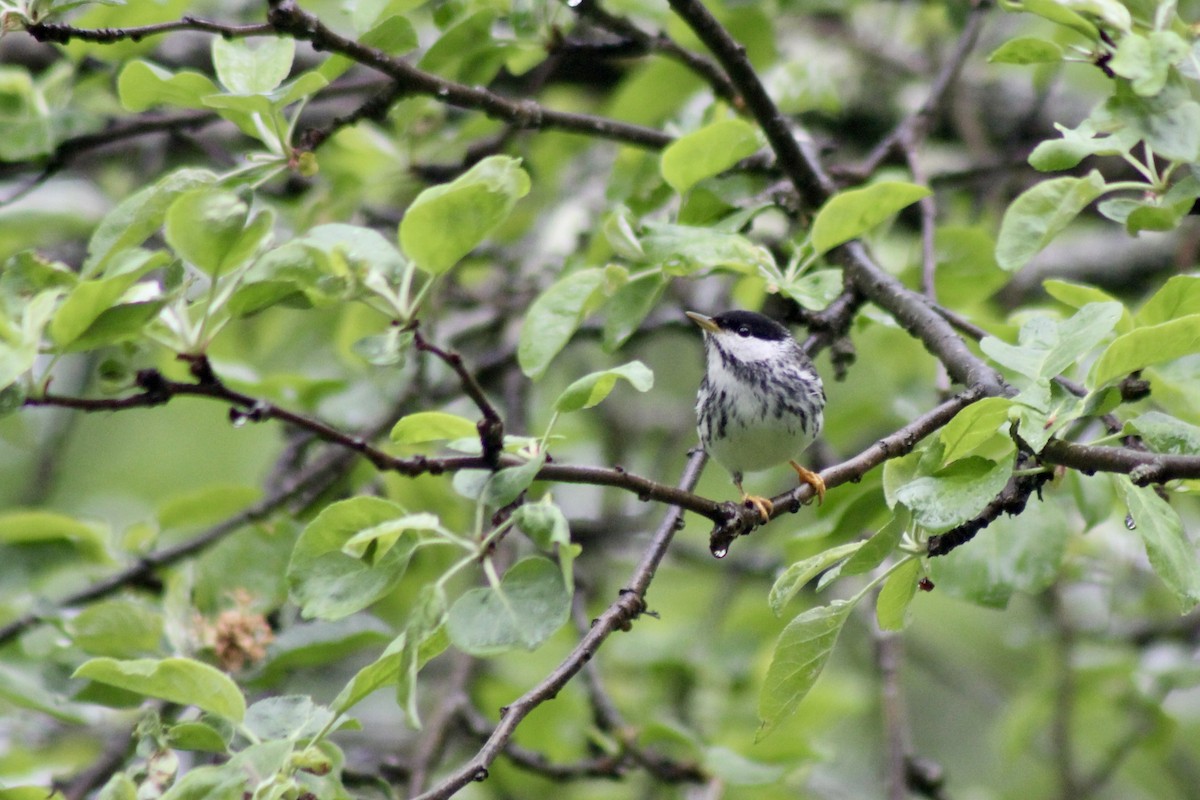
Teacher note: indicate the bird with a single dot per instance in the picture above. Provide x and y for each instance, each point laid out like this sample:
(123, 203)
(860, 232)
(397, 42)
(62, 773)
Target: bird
(761, 402)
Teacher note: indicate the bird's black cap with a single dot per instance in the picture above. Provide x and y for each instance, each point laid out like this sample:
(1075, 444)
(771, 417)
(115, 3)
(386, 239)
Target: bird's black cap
(751, 323)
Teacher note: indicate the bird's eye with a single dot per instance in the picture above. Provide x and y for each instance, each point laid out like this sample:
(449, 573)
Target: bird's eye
(743, 331)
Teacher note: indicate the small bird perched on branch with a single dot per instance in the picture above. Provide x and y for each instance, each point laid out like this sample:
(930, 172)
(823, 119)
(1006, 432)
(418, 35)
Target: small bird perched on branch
(761, 402)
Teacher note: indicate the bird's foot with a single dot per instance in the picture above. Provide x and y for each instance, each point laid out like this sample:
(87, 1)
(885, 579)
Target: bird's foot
(812, 479)
(764, 506)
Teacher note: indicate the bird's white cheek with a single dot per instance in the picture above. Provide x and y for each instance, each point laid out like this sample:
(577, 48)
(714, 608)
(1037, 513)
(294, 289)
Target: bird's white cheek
(748, 349)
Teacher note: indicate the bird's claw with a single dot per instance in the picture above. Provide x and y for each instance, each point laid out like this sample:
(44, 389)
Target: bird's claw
(812, 479)
(761, 504)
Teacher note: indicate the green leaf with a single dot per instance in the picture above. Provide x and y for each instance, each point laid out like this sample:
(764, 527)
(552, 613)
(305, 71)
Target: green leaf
(954, 494)
(896, 594)
(687, 249)
(814, 290)
(446, 222)
(1079, 143)
(796, 576)
(1146, 60)
(1055, 11)
(554, 317)
(709, 151)
(1169, 121)
(1178, 297)
(195, 736)
(30, 793)
(383, 671)
(48, 527)
(90, 299)
(1026, 50)
(734, 769)
(376, 541)
(852, 213)
(23, 689)
(1078, 295)
(294, 718)
(1013, 554)
(800, 655)
(138, 216)
(973, 426)
(591, 389)
(880, 546)
(628, 307)
(1171, 553)
(1041, 213)
(1143, 347)
(1166, 434)
(245, 67)
(204, 225)
(506, 485)
(533, 603)
(312, 644)
(545, 524)
(117, 628)
(432, 426)
(142, 85)
(176, 680)
(329, 584)
(1046, 348)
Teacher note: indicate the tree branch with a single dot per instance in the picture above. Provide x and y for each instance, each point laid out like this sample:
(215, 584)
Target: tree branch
(620, 613)
(704, 67)
(288, 18)
(802, 168)
(491, 427)
(742, 520)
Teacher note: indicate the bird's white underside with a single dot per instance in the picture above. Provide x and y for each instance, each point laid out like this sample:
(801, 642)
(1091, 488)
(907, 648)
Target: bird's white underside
(758, 442)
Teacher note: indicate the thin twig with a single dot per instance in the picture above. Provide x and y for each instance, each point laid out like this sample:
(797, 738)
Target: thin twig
(912, 129)
(452, 702)
(803, 169)
(703, 66)
(288, 18)
(618, 616)
(491, 427)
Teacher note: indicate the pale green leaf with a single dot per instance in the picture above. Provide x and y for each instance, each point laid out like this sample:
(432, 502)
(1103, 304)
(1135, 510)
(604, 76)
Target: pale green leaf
(852, 213)
(796, 576)
(973, 427)
(446, 222)
(142, 85)
(1041, 213)
(954, 494)
(252, 67)
(708, 151)
(800, 655)
(329, 584)
(533, 602)
(177, 680)
(432, 426)
(554, 317)
(592, 389)
(1026, 50)
(1172, 554)
(896, 594)
(1144, 347)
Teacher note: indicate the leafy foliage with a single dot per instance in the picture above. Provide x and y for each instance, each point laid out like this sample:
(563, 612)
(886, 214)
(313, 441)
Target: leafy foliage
(345, 383)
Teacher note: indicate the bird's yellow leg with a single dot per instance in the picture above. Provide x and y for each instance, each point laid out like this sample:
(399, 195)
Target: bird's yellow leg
(764, 506)
(812, 479)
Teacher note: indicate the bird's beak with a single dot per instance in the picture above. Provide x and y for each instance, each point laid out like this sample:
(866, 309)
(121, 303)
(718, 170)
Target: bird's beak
(705, 323)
